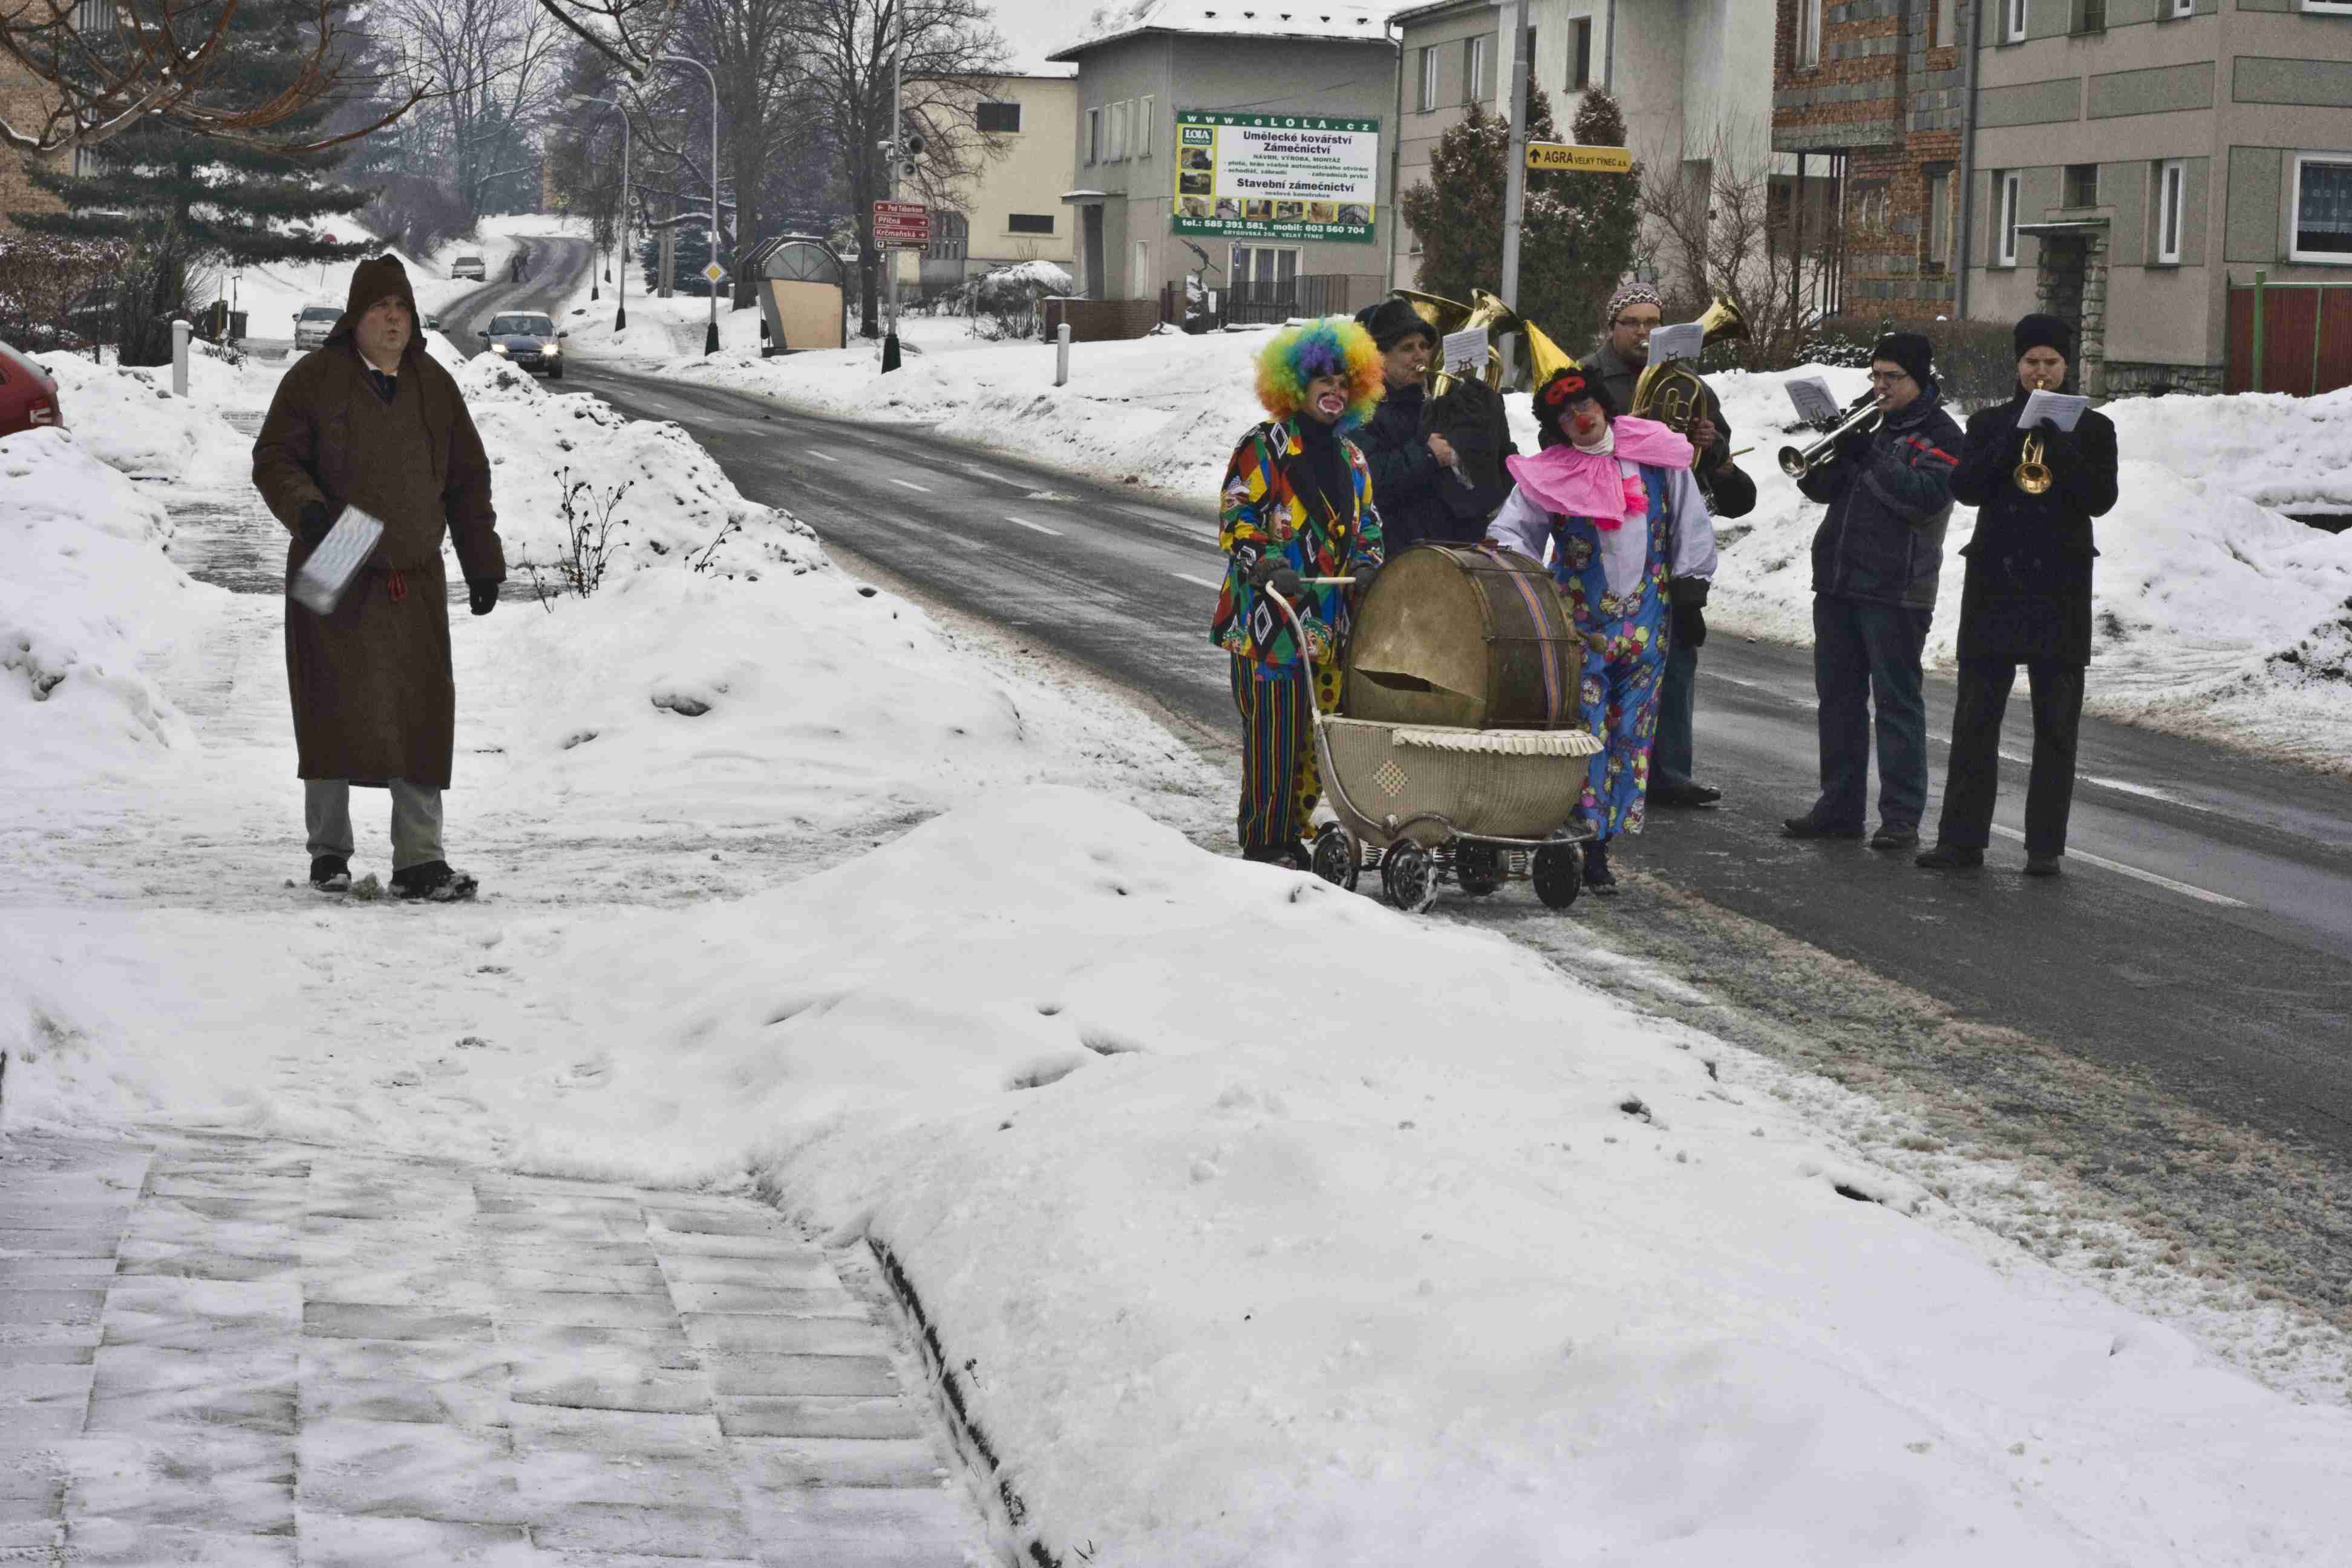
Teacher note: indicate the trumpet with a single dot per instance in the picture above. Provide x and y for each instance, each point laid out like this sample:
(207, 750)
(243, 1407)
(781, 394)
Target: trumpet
(2032, 475)
(1798, 461)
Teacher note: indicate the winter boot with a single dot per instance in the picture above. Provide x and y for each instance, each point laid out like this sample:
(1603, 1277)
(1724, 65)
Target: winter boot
(1598, 876)
(331, 874)
(1948, 857)
(2042, 866)
(433, 883)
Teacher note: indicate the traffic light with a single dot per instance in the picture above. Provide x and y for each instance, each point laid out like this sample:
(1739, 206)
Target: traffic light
(910, 150)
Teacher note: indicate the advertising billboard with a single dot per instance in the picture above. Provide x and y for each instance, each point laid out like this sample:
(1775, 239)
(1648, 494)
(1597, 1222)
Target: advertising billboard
(1276, 176)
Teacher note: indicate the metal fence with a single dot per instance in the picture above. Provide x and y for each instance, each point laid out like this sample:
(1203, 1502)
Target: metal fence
(2289, 337)
(1321, 295)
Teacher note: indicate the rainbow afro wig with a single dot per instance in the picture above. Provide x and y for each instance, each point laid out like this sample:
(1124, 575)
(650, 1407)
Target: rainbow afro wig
(1334, 345)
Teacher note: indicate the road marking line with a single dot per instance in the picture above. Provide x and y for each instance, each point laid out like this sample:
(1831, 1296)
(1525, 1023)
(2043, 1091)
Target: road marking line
(992, 475)
(825, 456)
(1203, 581)
(2116, 866)
(908, 484)
(1037, 527)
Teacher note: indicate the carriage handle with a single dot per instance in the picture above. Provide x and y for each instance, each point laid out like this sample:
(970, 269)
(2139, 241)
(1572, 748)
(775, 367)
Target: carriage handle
(1298, 635)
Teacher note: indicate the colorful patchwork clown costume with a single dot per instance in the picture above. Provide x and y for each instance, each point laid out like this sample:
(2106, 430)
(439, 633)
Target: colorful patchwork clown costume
(1297, 495)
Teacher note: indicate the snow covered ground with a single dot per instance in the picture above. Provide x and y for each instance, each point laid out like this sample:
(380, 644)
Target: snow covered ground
(1269, 1227)
(2218, 615)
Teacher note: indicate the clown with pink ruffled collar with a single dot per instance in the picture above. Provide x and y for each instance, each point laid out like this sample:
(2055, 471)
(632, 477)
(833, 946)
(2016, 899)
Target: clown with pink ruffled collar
(1611, 500)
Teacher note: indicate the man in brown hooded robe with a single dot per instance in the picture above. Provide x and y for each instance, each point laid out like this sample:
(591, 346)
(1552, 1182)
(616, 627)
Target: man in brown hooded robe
(370, 421)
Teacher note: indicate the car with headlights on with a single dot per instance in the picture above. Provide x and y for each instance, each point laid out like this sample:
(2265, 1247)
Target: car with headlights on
(528, 339)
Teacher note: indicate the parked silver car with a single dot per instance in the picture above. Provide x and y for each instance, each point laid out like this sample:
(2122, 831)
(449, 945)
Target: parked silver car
(468, 267)
(312, 325)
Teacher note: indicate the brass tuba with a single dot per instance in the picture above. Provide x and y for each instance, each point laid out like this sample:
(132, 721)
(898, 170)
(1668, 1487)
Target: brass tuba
(1446, 317)
(1670, 392)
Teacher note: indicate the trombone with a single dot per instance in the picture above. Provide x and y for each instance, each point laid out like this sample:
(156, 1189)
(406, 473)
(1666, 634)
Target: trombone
(1797, 462)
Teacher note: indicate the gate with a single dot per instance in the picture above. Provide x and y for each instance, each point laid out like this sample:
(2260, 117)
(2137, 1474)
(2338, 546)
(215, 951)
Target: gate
(2289, 337)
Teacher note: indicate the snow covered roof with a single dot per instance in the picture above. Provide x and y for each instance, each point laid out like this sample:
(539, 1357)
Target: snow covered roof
(1320, 19)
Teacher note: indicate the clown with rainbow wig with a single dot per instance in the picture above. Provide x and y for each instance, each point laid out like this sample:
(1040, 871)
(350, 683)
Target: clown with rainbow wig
(1297, 503)
(1612, 497)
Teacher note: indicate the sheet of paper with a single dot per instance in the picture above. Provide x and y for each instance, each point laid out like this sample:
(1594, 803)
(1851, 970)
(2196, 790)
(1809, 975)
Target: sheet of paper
(2064, 407)
(1676, 342)
(1815, 404)
(320, 582)
(1464, 353)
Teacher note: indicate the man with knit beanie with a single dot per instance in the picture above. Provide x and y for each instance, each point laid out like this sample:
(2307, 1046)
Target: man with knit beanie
(1876, 559)
(1436, 463)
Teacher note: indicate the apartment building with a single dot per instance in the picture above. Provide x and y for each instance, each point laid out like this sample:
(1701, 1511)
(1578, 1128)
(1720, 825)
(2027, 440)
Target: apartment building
(1010, 208)
(2134, 156)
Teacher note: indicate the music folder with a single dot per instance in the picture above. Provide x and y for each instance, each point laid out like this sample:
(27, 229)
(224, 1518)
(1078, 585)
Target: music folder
(320, 580)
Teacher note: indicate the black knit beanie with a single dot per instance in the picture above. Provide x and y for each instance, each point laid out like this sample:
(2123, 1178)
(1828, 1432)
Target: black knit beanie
(1392, 321)
(2039, 332)
(1909, 350)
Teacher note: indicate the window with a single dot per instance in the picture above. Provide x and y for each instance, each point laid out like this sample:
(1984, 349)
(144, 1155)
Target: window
(1870, 205)
(1143, 127)
(1269, 267)
(2089, 16)
(1579, 53)
(1094, 136)
(1117, 135)
(2171, 181)
(2323, 207)
(1528, 44)
(1029, 223)
(2012, 21)
(2082, 185)
(2178, 8)
(997, 119)
(95, 19)
(1473, 69)
(2005, 232)
(2329, 7)
(1939, 25)
(1808, 32)
(1428, 79)
(1936, 223)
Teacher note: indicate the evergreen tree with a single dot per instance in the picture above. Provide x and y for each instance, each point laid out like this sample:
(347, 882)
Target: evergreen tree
(1578, 231)
(183, 202)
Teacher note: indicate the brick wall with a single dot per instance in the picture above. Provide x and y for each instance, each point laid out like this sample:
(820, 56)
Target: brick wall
(22, 99)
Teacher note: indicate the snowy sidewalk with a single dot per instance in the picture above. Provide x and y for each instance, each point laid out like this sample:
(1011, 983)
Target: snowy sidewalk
(218, 1348)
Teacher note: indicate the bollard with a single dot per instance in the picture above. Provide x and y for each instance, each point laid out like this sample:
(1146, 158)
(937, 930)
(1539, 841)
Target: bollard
(1061, 354)
(180, 329)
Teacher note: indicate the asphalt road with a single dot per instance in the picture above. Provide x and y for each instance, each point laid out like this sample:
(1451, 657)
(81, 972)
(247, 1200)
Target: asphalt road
(2196, 960)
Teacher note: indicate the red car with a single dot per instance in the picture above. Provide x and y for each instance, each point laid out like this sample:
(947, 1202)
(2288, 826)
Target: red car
(29, 398)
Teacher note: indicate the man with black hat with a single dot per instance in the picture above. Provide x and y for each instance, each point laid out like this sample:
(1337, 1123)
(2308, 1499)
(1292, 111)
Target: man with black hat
(1631, 314)
(2027, 600)
(1436, 464)
(1876, 559)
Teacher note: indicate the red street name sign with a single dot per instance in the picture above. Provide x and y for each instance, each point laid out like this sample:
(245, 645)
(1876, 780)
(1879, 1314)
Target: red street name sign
(902, 223)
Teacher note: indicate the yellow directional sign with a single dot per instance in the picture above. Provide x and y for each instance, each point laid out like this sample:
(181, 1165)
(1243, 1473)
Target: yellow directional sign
(1559, 155)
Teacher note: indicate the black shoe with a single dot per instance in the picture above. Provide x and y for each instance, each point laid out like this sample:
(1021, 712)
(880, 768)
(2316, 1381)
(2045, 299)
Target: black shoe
(1895, 838)
(1809, 826)
(331, 873)
(1683, 792)
(1948, 857)
(432, 882)
(1298, 856)
(1598, 876)
(2042, 865)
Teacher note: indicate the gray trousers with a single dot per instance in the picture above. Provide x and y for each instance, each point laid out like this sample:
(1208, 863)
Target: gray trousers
(416, 820)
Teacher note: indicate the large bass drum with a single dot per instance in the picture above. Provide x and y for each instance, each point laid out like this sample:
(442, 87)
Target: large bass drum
(1463, 638)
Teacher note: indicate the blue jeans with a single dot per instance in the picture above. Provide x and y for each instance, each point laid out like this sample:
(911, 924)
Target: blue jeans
(1866, 656)
(1670, 753)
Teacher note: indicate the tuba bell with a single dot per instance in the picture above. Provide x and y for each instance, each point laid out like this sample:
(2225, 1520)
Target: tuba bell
(1671, 392)
(1446, 317)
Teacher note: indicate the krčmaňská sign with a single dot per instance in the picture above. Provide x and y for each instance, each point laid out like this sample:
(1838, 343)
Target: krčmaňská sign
(1276, 176)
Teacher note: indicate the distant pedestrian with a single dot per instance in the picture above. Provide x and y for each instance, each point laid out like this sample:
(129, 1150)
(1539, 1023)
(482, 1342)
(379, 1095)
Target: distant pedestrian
(370, 421)
(2027, 600)
(1297, 503)
(1876, 558)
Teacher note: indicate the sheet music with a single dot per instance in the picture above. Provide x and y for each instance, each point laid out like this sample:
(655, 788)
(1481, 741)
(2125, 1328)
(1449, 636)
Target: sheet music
(1815, 404)
(2064, 407)
(1683, 342)
(320, 580)
(1464, 353)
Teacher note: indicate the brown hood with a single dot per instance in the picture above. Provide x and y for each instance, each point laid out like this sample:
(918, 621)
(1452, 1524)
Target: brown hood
(371, 280)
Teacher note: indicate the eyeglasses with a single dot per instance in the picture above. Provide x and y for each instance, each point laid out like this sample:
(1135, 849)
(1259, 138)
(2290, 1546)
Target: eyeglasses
(1888, 378)
(1633, 321)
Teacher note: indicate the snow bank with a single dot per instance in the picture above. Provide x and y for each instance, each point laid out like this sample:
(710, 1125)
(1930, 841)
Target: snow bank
(1249, 1257)
(84, 591)
(128, 419)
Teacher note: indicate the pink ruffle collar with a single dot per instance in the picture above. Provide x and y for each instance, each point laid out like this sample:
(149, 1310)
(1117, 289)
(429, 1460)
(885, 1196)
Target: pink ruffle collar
(1590, 484)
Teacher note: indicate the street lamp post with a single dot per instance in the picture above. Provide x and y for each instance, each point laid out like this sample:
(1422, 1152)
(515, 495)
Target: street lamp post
(711, 338)
(621, 316)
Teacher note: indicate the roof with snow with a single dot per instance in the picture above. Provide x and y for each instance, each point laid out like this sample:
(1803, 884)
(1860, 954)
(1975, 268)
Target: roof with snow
(1125, 19)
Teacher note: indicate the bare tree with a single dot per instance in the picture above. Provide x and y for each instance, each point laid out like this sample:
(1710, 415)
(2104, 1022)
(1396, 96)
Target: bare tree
(1722, 222)
(105, 66)
(492, 71)
(755, 50)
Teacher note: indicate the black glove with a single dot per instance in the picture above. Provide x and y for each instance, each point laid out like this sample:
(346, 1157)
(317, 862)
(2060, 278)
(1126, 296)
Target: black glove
(1262, 570)
(483, 597)
(1284, 582)
(2053, 439)
(1690, 625)
(1364, 576)
(315, 522)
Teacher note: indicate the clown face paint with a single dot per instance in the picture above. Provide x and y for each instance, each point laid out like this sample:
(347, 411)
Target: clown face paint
(1327, 398)
(1586, 422)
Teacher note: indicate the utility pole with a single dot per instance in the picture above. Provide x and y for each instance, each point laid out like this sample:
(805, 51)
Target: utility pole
(711, 231)
(897, 157)
(1515, 179)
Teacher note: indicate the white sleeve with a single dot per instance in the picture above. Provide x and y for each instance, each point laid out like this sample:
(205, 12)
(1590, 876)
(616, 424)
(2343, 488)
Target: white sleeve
(1694, 527)
(1526, 527)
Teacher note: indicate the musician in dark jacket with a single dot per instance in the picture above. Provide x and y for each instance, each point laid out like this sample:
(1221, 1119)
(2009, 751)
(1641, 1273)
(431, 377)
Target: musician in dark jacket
(1876, 559)
(1436, 463)
(2026, 600)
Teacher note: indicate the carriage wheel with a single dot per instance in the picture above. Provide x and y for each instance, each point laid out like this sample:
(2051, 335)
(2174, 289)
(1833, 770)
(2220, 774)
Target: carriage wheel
(1559, 874)
(1335, 861)
(1479, 867)
(1409, 876)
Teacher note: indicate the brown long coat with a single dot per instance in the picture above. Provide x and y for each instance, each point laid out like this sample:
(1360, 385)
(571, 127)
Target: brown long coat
(373, 695)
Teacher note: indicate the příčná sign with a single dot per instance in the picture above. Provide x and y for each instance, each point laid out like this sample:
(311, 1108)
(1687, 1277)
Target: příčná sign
(1276, 176)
